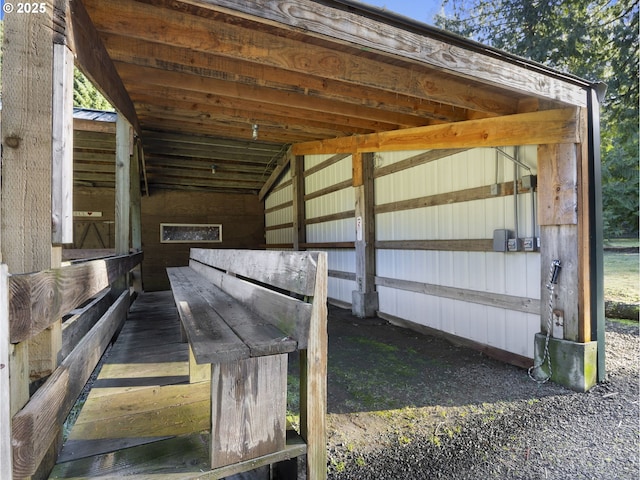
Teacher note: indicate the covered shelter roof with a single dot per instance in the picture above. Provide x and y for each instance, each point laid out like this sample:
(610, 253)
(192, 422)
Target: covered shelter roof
(233, 85)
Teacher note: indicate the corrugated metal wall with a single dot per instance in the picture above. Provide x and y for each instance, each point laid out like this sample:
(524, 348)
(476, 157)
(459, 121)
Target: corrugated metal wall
(478, 277)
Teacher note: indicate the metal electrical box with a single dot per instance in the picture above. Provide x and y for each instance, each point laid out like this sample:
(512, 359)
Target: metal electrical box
(500, 239)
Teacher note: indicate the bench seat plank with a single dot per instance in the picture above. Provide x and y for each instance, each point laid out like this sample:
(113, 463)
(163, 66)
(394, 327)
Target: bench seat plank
(236, 332)
(203, 326)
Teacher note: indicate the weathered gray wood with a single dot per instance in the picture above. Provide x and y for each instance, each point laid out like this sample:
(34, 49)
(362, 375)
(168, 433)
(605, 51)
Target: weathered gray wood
(224, 315)
(289, 271)
(364, 298)
(288, 314)
(36, 426)
(178, 458)
(76, 327)
(6, 464)
(210, 338)
(62, 147)
(508, 302)
(560, 242)
(299, 204)
(37, 298)
(248, 409)
(313, 379)
(123, 185)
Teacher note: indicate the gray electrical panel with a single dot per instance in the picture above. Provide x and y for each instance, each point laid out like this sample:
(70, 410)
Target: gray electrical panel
(500, 239)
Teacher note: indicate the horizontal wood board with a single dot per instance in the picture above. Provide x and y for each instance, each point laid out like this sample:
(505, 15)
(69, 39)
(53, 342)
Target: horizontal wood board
(220, 328)
(290, 315)
(39, 298)
(291, 271)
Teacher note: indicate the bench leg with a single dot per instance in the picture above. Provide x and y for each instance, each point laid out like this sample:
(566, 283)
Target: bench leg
(248, 409)
(198, 373)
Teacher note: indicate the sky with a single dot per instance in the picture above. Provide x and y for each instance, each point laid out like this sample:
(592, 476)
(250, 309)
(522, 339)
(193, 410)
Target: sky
(421, 10)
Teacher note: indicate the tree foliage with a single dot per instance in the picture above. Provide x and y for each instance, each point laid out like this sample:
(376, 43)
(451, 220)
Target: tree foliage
(85, 95)
(593, 39)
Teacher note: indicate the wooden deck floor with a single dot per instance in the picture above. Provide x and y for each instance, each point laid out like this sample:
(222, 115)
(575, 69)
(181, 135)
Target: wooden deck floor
(142, 417)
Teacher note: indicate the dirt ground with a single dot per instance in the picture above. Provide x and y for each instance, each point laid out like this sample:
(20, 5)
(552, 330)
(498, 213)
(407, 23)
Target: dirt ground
(397, 393)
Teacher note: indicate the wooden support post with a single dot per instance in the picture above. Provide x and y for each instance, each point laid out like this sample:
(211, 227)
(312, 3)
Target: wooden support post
(6, 464)
(365, 298)
(123, 180)
(27, 132)
(62, 155)
(136, 218)
(557, 216)
(313, 379)
(299, 215)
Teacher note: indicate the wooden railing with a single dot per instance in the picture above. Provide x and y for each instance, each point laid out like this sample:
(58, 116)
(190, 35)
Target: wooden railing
(29, 304)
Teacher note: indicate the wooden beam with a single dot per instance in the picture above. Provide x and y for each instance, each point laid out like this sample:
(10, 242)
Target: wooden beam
(94, 61)
(26, 132)
(414, 45)
(275, 175)
(550, 126)
(492, 299)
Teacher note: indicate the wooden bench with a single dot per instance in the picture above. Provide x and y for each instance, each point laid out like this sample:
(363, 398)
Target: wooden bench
(243, 312)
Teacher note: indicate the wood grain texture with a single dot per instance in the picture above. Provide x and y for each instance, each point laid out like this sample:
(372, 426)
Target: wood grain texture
(248, 409)
(286, 270)
(308, 16)
(313, 379)
(82, 321)
(123, 186)
(287, 314)
(6, 463)
(508, 302)
(210, 338)
(62, 147)
(36, 426)
(94, 61)
(560, 242)
(37, 298)
(557, 185)
(545, 127)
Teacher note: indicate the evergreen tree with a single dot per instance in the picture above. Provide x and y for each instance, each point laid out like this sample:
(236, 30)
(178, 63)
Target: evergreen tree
(85, 95)
(594, 39)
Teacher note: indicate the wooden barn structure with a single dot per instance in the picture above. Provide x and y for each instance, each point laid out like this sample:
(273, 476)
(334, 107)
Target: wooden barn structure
(441, 177)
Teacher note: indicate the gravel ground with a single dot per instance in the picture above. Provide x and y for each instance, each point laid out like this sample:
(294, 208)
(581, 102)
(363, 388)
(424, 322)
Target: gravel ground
(406, 406)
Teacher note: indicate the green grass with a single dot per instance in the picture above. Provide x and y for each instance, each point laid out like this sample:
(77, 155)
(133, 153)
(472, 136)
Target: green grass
(621, 277)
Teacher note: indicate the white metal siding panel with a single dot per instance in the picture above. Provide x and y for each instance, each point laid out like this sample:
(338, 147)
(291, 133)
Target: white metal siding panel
(511, 273)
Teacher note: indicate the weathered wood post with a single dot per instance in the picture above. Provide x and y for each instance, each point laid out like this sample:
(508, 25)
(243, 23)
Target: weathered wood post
(365, 298)
(299, 215)
(37, 83)
(564, 215)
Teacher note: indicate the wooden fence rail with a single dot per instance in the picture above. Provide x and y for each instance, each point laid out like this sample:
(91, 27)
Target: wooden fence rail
(29, 303)
(40, 298)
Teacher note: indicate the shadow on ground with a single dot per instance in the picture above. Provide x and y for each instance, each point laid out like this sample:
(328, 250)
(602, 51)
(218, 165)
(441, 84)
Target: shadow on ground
(375, 366)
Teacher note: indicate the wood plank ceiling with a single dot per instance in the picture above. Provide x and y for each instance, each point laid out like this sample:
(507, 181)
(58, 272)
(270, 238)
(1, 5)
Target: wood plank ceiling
(204, 78)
